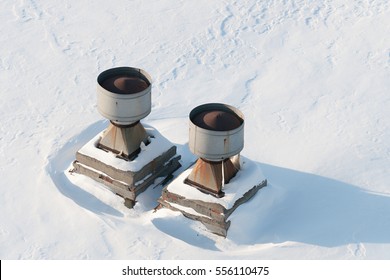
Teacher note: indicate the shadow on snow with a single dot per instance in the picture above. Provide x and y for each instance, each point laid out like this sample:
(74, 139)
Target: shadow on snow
(311, 209)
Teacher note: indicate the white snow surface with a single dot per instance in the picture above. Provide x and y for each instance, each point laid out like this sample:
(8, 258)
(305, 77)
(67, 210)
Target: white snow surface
(311, 78)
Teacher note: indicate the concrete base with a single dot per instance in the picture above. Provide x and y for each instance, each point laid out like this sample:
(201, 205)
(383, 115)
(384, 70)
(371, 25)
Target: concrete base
(125, 178)
(209, 212)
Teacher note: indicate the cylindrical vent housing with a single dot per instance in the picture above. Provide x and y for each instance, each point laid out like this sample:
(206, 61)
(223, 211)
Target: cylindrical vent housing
(216, 131)
(124, 94)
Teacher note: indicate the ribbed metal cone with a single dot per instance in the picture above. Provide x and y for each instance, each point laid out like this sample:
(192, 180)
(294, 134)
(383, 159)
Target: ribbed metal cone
(123, 140)
(210, 176)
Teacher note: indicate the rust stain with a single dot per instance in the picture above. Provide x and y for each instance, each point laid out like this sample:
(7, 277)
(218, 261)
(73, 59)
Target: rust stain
(207, 175)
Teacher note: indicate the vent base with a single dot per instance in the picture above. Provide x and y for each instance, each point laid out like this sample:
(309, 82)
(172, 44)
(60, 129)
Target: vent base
(125, 141)
(210, 176)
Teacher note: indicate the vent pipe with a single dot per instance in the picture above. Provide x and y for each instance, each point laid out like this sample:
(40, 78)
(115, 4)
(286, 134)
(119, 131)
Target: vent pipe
(216, 135)
(124, 97)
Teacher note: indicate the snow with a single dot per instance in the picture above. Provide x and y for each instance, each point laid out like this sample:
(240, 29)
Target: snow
(249, 176)
(311, 78)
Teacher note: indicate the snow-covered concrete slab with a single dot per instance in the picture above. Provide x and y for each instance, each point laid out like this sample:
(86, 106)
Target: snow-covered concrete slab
(214, 212)
(249, 175)
(128, 178)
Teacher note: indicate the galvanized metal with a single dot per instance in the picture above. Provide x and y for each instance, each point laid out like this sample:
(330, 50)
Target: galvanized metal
(216, 145)
(121, 98)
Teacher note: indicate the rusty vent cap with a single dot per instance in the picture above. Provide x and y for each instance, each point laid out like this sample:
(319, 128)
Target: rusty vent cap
(217, 120)
(124, 84)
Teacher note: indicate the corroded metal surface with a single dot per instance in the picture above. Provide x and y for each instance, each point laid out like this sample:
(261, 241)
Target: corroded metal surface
(124, 84)
(124, 141)
(217, 120)
(210, 176)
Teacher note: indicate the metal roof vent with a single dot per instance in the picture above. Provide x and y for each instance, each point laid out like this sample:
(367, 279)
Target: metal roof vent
(217, 137)
(124, 97)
